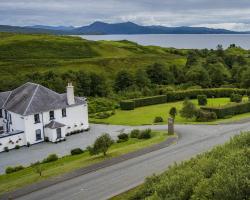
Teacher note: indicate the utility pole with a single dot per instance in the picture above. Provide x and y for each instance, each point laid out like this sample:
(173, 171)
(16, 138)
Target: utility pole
(170, 126)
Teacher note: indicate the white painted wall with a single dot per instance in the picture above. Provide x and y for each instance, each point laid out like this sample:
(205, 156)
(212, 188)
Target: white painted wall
(18, 139)
(31, 127)
(52, 135)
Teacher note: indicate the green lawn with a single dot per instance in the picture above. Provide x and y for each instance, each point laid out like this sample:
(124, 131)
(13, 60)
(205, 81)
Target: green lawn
(10, 182)
(145, 115)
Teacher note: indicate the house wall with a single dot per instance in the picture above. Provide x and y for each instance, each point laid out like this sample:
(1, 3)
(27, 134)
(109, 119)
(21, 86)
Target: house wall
(76, 119)
(12, 141)
(52, 135)
(31, 127)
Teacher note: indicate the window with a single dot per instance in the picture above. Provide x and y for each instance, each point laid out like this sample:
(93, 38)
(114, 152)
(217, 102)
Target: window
(1, 130)
(1, 113)
(37, 118)
(38, 134)
(10, 119)
(51, 115)
(64, 113)
(6, 114)
(59, 133)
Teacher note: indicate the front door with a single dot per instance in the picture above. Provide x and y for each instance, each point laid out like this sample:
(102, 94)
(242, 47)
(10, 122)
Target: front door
(59, 133)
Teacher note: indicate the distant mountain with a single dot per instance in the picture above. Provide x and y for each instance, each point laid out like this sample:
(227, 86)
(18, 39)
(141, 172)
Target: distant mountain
(17, 29)
(118, 28)
(56, 28)
(132, 28)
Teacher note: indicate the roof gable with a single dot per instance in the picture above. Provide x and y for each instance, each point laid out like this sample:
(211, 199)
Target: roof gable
(33, 98)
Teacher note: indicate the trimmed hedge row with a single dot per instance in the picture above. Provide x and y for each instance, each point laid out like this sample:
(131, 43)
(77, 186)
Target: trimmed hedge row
(180, 95)
(229, 110)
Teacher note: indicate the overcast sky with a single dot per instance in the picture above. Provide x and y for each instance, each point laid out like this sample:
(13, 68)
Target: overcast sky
(229, 14)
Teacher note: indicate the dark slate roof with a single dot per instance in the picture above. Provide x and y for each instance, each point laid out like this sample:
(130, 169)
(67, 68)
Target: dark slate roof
(53, 125)
(32, 98)
(3, 97)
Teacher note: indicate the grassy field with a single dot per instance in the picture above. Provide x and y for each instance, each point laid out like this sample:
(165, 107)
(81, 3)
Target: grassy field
(9, 182)
(145, 115)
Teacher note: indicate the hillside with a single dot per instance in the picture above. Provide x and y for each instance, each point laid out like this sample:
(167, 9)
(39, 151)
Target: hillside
(220, 174)
(22, 54)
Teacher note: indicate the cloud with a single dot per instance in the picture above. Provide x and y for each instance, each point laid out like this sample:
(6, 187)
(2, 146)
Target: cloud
(233, 14)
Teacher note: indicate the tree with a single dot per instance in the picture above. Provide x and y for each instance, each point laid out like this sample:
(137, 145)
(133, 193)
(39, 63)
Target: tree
(198, 76)
(192, 58)
(173, 112)
(245, 81)
(188, 110)
(159, 74)
(220, 51)
(98, 85)
(123, 80)
(101, 145)
(38, 169)
(218, 73)
(141, 79)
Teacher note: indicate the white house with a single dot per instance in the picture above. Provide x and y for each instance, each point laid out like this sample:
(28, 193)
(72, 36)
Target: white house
(32, 113)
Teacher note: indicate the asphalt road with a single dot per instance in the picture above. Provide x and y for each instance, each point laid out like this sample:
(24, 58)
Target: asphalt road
(118, 178)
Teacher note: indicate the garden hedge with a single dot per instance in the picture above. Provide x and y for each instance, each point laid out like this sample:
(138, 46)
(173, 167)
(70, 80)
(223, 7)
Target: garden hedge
(229, 110)
(180, 95)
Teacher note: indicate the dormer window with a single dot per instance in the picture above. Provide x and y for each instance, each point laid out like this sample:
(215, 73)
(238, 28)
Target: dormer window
(51, 115)
(64, 113)
(37, 118)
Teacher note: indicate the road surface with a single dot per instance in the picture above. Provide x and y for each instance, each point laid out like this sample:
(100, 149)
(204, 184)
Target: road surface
(107, 182)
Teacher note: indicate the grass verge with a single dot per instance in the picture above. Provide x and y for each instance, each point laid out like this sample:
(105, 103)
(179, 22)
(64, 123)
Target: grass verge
(10, 182)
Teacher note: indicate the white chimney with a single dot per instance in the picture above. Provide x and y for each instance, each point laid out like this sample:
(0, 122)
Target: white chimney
(70, 94)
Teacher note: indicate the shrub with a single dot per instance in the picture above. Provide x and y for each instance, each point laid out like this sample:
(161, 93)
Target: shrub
(6, 149)
(76, 151)
(127, 105)
(10, 170)
(102, 115)
(123, 136)
(101, 145)
(173, 112)
(17, 147)
(145, 134)
(188, 110)
(202, 100)
(50, 158)
(229, 110)
(135, 133)
(236, 98)
(204, 116)
(158, 119)
(28, 144)
(35, 163)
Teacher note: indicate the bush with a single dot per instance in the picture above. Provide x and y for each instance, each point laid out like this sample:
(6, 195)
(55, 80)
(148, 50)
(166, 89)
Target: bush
(28, 144)
(101, 145)
(50, 158)
(135, 133)
(102, 115)
(76, 151)
(173, 112)
(145, 134)
(188, 110)
(229, 110)
(17, 147)
(202, 100)
(123, 136)
(181, 95)
(204, 116)
(10, 170)
(6, 149)
(236, 98)
(127, 105)
(158, 119)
